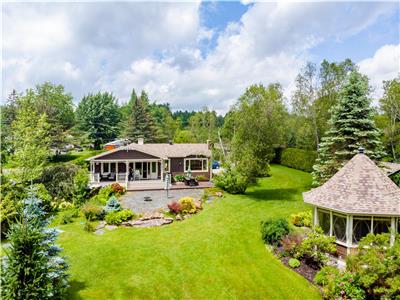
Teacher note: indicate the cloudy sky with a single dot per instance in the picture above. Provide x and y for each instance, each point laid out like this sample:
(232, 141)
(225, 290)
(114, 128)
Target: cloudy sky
(191, 54)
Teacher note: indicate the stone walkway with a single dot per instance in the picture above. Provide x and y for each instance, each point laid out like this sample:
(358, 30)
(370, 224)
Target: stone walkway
(135, 200)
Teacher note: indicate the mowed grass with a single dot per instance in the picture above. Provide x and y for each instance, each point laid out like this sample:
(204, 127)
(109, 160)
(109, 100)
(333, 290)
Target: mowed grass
(217, 254)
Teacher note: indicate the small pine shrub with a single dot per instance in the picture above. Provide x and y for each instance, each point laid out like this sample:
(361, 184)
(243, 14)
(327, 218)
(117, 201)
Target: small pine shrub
(112, 205)
(272, 230)
(294, 263)
(188, 205)
(175, 207)
(89, 227)
(302, 219)
(92, 212)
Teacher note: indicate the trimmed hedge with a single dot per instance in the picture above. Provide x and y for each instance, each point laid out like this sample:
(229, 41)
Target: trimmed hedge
(298, 159)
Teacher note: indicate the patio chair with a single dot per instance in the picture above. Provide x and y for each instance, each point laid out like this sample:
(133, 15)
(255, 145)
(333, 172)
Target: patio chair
(111, 176)
(136, 175)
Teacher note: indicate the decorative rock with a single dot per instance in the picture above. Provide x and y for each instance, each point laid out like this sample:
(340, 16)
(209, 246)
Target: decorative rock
(198, 204)
(99, 232)
(168, 221)
(101, 225)
(218, 194)
(111, 227)
(152, 222)
(178, 218)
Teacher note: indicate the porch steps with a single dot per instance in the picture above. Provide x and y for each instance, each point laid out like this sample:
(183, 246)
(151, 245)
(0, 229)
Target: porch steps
(145, 185)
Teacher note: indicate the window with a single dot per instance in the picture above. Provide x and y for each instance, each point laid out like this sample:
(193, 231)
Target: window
(361, 227)
(324, 221)
(339, 227)
(381, 225)
(167, 163)
(196, 164)
(106, 167)
(153, 167)
(112, 167)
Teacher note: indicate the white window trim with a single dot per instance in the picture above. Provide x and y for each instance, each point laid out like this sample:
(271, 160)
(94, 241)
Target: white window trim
(198, 171)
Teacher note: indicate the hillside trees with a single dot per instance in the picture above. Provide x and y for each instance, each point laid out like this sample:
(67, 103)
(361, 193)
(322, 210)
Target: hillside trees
(98, 115)
(352, 126)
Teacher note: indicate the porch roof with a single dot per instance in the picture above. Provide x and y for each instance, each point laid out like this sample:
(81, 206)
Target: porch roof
(163, 151)
(360, 187)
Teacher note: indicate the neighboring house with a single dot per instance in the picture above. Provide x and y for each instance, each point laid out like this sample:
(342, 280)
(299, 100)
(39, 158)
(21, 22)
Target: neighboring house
(141, 162)
(359, 199)
(115, 144)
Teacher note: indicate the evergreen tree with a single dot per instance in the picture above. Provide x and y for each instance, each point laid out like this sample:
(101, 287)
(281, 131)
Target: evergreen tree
(33, 267)
(352, 127)
(139, 123)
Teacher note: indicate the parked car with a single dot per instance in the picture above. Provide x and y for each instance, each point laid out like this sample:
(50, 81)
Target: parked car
(216, 164)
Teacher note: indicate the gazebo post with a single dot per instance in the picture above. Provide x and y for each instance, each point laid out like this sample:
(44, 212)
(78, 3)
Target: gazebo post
(315, 216)
(392, 231)
(349, 232)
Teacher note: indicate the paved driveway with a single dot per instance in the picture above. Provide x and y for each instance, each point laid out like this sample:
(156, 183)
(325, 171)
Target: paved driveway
(135, 200)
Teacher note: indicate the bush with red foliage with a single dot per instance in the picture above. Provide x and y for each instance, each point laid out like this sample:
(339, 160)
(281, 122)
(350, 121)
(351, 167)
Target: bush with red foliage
(117, 189)
(175, 207)
(291, 243)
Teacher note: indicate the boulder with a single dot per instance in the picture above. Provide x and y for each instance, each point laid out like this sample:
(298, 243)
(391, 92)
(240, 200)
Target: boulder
(101, 225)
(111, 227)
(178, 218)
(99, 232)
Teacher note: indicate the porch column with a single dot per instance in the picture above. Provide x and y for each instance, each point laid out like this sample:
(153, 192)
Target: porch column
(349, 232)
(392, 230)
(91, 171)
(126, 174)
(162, 170)
(116, 171)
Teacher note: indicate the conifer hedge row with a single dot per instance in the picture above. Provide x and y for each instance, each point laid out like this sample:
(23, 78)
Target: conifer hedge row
(298, 159)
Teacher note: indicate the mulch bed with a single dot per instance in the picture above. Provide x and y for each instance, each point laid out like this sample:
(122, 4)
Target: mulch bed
(304, 270)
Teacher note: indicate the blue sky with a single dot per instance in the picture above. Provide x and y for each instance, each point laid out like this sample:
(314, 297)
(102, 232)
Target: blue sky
(191, 54)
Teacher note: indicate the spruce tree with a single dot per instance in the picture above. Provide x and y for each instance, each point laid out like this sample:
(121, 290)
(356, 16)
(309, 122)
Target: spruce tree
(33, 267)
(351, 127)
(140, 123)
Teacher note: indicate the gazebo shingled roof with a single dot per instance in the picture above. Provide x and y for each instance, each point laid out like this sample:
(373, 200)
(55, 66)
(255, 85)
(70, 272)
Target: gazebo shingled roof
(360, 187)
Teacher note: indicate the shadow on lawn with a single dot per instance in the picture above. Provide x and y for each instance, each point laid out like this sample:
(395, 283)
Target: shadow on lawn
(75, 287)
(274, 194)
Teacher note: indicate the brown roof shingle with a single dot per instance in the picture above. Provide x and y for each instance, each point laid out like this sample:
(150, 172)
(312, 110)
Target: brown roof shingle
(360, 187)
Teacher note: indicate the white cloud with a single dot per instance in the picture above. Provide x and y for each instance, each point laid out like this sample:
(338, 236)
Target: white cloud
(160, 47)
(384, 65)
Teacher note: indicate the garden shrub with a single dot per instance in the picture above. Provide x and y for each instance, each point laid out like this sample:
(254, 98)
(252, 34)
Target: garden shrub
(117, 189)
(59, 180)
(294, 263)
(381, 278)
(291, 243)
(187, 204)
(179, 178)
(92, 212)
(175, 207)
(339, 285)
(396, 178)
(231, 181)
(67, 216)
(80, 187)
(116, 218)
(112, 205)
(89, 227)
(103, 195)
(301, 219)
(272, 230)
(315, 246)
(298, 159)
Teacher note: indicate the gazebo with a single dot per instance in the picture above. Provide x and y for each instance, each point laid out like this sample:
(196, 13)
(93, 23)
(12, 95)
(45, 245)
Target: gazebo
(359, 199)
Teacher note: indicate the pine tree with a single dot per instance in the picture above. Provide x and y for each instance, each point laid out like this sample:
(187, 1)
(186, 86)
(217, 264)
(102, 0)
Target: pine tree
(33, 267)
(352, 127)
(139, 123)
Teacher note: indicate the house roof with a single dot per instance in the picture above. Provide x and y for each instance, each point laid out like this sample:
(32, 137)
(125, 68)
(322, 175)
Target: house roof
(164, 150)
(390, 168)
(360, 187)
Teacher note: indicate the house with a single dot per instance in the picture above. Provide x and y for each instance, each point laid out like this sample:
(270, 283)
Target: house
(115, 144)
(137, 163)
(359, 199)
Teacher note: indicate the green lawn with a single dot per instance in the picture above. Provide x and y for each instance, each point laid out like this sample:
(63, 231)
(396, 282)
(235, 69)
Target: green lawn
(217, 254)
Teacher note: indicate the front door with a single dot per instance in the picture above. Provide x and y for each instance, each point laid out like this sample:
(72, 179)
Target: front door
(153, 170)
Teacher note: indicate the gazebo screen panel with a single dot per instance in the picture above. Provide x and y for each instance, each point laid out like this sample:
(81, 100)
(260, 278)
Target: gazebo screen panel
(361, 227)
(339, 227)
(324, 221)
(381, 225)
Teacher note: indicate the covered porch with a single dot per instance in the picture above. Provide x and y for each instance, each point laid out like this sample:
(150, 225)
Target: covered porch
(127, 171)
